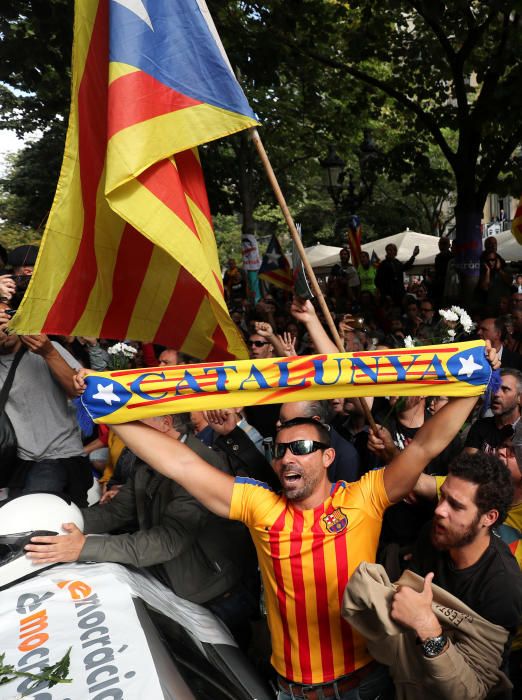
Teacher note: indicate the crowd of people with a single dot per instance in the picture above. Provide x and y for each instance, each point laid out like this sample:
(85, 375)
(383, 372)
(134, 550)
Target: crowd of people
(303, 493)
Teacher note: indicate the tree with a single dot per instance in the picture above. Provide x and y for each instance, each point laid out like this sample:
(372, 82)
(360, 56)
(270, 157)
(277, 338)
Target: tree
(35, 54)
(452, 70)
(35, 50)
(301, 111)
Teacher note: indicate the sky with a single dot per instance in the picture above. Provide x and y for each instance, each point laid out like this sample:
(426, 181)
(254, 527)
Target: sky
(9, 143)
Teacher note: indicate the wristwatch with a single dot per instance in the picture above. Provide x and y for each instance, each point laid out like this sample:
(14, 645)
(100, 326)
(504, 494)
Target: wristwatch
(434, 646)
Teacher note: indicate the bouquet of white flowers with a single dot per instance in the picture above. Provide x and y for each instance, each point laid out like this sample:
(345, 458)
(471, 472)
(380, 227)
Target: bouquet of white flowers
(120, 355)
(455, 324)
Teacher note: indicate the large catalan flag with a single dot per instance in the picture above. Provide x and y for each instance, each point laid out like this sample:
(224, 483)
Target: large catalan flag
(129, 249)
(516, 224)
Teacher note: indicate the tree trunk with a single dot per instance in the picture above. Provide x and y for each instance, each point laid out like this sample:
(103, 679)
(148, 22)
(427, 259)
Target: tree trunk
(245, 183)
(468, 245)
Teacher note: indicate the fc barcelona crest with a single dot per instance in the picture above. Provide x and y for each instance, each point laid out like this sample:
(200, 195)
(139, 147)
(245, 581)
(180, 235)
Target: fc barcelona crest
(336, 521)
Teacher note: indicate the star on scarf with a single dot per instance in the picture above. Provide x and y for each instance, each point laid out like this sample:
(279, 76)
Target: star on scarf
(106, 393)
(469, 366)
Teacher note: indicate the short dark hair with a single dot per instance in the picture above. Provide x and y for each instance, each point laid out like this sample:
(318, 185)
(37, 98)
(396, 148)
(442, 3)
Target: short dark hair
(500, 327)
(515, 373)
(323, 430)
(182, 423)
(495, 488)
(315, 407)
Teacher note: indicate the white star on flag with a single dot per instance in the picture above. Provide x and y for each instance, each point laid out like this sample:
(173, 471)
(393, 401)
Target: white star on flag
(138, 8)
(106, 393)
(469, 366)
(273, 258)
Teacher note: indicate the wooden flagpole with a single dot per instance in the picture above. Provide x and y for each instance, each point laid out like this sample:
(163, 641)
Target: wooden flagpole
(299, 245)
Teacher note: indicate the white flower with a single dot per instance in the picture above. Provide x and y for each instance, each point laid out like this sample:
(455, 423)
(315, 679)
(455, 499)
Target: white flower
(123, 349)
(458, 310)
(449, 315)
(409, 342)
(467, 323)
(451, 333)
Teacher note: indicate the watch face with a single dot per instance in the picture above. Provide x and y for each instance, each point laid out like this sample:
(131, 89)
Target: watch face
(433, 647)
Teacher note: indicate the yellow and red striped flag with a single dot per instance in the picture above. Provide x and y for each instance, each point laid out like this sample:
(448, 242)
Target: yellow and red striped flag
(516, 224)
(129, 250)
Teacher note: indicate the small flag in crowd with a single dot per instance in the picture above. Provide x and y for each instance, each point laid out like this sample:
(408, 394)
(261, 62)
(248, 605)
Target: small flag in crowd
(374, 259)
(275, 268)
(353, 235)
(516, 224)
(129, 249)
(301, 283)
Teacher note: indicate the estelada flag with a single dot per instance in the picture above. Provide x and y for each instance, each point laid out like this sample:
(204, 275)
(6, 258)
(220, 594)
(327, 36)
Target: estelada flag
(129, 250)
(275, 268)
(353, 235)
(374, 259)
(516, 224)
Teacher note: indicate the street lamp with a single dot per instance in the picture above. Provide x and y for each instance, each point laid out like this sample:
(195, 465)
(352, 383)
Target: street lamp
(333, 167)
(344, 196)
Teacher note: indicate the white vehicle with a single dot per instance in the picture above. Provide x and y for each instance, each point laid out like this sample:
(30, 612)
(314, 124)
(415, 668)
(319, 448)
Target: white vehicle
(130, 636)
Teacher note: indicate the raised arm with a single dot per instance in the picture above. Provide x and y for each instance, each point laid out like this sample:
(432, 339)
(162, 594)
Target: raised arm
(304, 312)
(401, 475)
(265, 330)
(175, 460)
(403, 472)
(60, 369)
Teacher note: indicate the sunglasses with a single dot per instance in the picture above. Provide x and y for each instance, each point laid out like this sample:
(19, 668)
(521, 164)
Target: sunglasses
(258, 343)
(298, 447)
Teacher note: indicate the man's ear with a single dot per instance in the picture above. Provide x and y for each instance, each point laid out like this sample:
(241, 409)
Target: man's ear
(490, 518)
(167, 423)
(328, 457)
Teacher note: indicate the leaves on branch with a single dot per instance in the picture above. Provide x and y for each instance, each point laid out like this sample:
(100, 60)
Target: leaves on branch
(52, 675)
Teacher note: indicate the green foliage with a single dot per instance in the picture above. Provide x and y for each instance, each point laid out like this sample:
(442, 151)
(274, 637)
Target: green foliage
(52, 675)
(227, 228)
(12, 235)
(452, 66)
(35, 51)
(28, 187)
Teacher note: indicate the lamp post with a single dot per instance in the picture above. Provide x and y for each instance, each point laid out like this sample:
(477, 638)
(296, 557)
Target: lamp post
(340, 184)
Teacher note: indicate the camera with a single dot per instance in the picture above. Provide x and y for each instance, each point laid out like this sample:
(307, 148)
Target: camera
(21, 282)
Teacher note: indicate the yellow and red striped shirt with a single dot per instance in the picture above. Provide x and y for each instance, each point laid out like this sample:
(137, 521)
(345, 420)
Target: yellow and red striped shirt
(306, 558)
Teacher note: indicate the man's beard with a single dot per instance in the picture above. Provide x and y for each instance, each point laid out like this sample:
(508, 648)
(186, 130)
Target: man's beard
(447, 539)
(7, 347)
(304, 486)
(500, 411)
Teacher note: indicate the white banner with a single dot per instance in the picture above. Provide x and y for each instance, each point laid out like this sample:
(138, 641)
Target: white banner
(88, 609)
(250, 251)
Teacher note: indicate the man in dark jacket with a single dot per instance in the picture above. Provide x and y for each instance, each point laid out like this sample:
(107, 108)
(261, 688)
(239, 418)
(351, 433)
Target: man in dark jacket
(389, 279)
(201, 557)
(494, 330)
